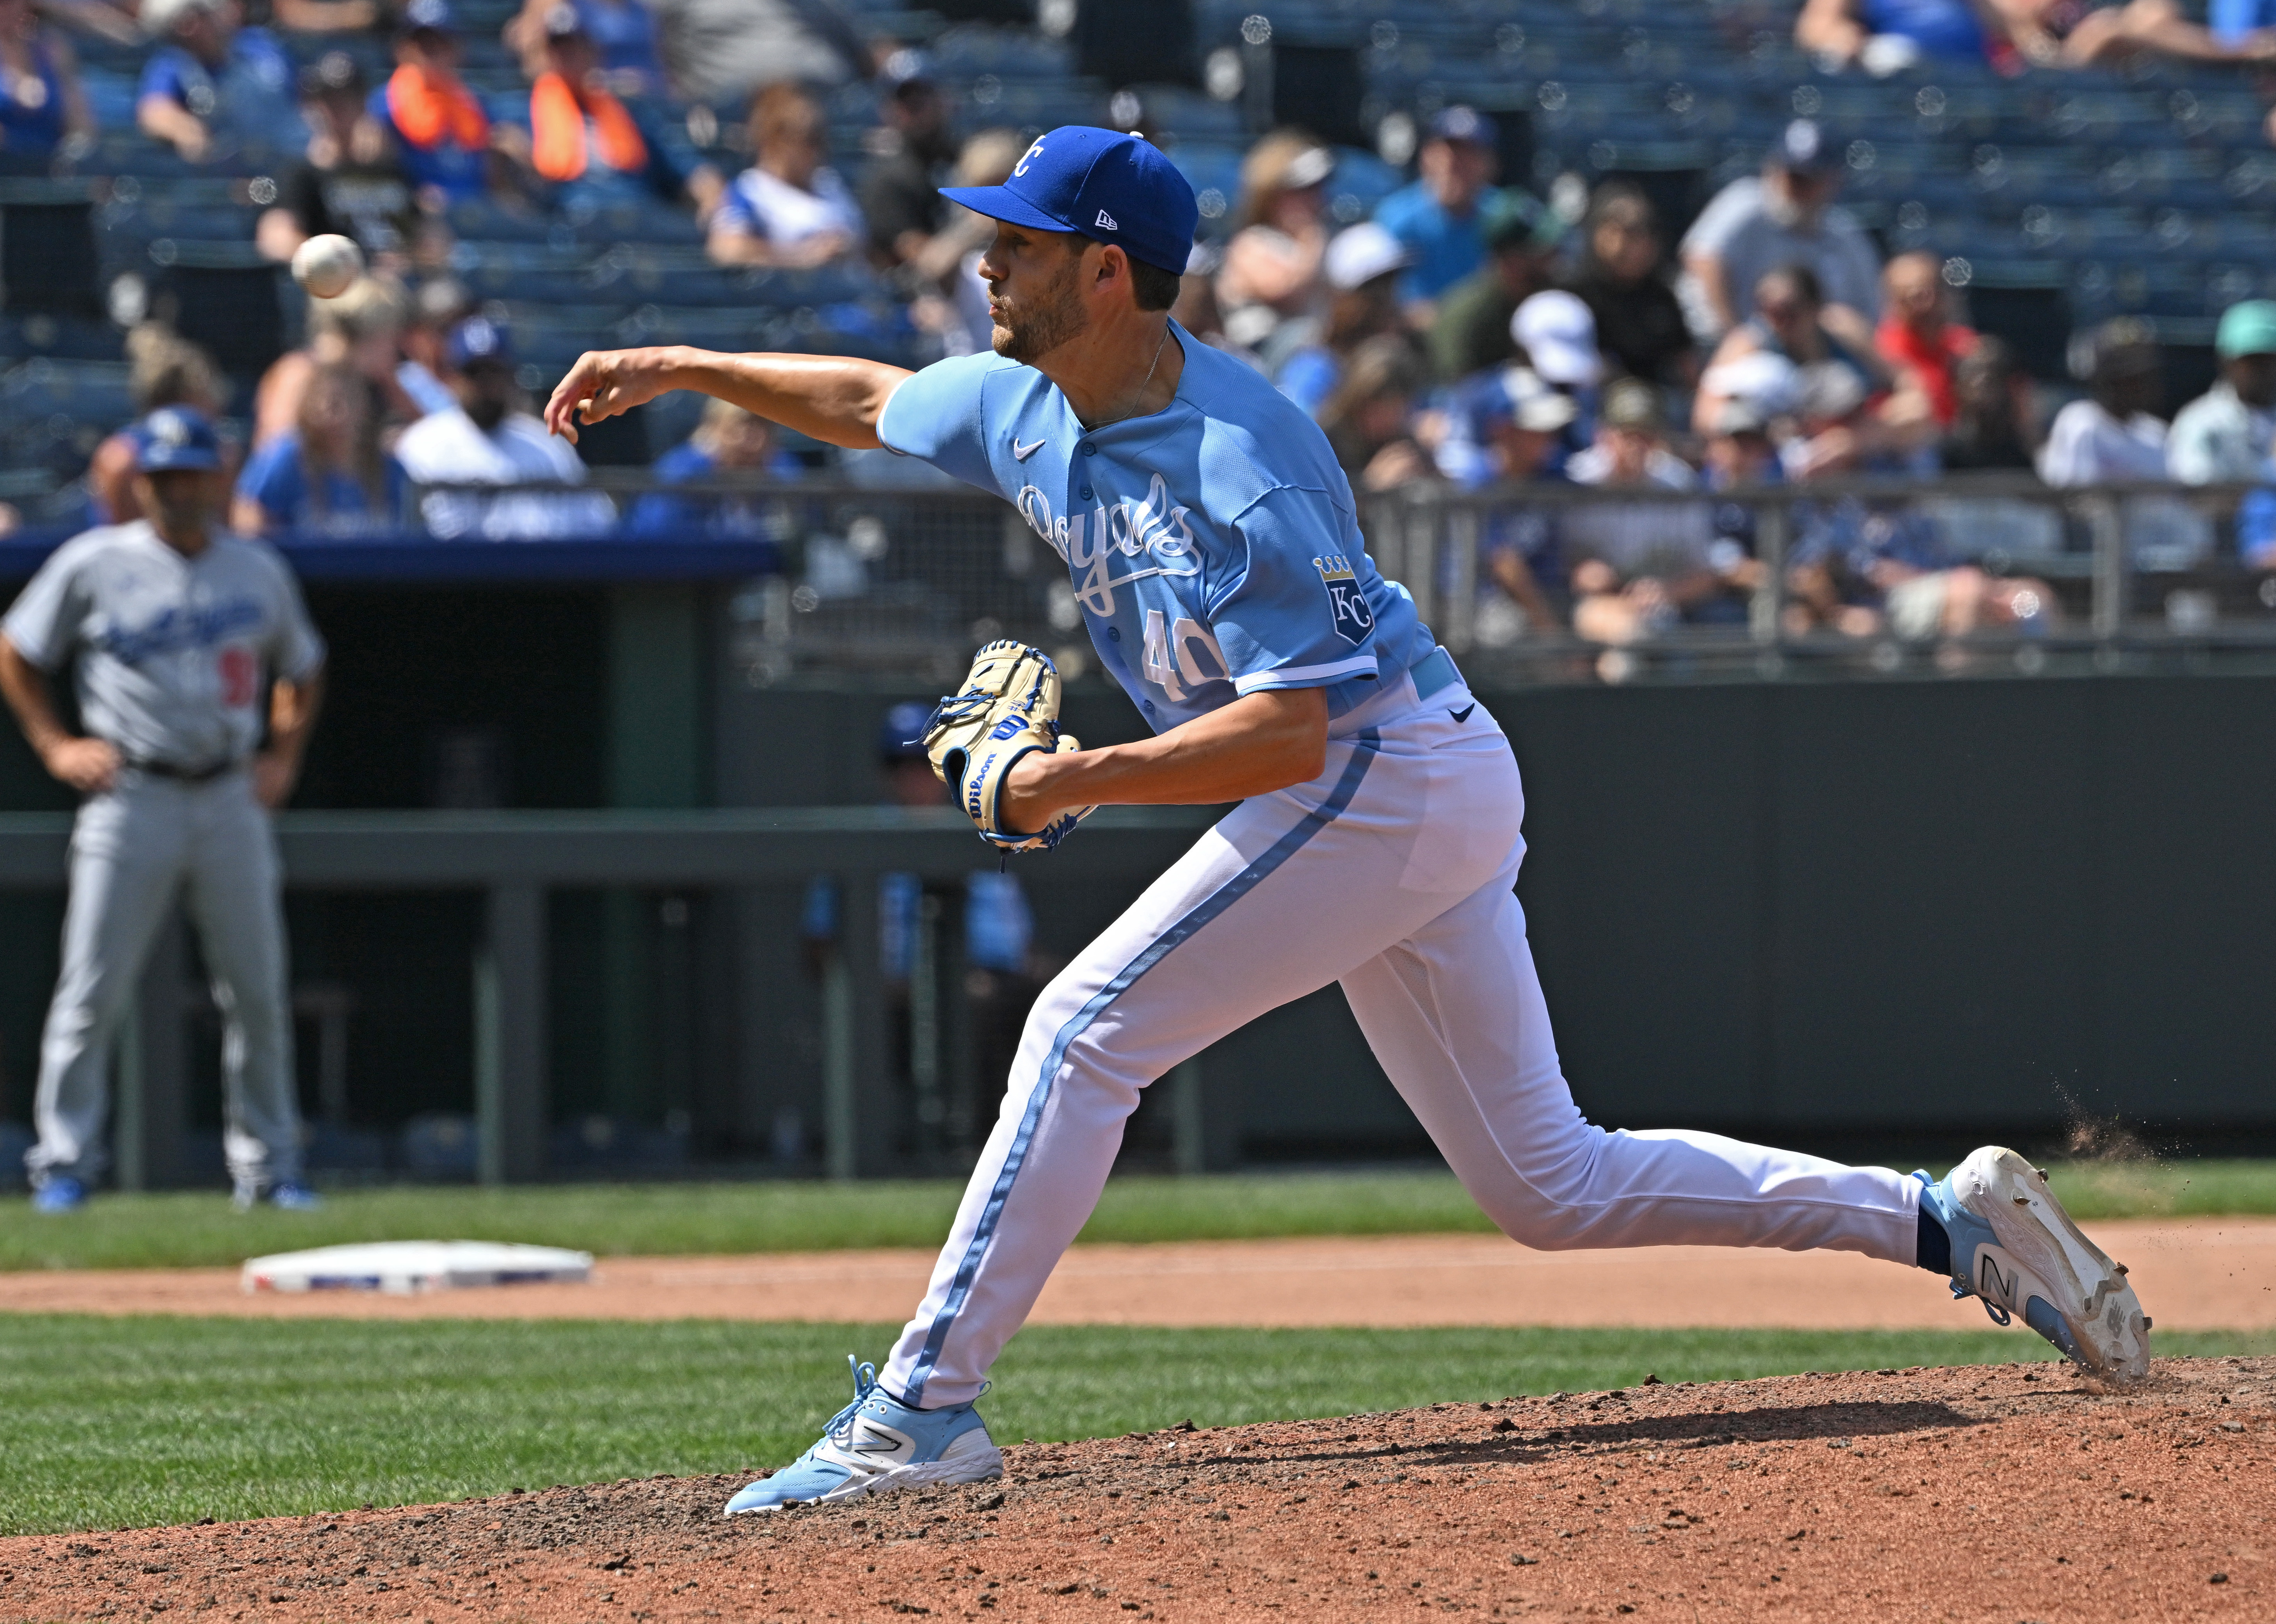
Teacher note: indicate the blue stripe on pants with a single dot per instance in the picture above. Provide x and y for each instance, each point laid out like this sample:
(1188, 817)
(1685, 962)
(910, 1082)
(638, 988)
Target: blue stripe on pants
(1365, 744)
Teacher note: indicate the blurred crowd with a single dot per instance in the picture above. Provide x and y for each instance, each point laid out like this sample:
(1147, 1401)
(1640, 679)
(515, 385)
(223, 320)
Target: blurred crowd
(1467, 336)
(1474, 336)
(1887, 36)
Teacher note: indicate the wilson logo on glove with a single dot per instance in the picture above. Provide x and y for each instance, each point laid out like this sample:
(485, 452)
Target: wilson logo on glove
(1011, 706)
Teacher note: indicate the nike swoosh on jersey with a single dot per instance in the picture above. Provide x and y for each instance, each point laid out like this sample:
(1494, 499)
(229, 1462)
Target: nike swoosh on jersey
(1463, 715)
(1021, 453)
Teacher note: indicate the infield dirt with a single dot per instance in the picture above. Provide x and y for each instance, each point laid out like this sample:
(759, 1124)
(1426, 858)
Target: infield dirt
(2008, 1492)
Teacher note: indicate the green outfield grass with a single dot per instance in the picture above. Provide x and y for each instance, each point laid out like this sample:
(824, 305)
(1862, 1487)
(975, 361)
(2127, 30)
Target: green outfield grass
(197, 1229)
(115, 1422)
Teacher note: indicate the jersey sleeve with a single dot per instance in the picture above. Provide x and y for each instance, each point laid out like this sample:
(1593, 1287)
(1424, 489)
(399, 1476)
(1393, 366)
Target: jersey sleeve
(1292, 614)
(44, 622)
(937, 416)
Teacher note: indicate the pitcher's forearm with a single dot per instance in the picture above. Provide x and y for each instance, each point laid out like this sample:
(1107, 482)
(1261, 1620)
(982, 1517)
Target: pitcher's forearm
(1263, 742)
(836, 399)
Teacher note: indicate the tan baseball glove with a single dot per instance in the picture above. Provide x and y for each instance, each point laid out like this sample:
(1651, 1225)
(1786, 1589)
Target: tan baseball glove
(1009, 708)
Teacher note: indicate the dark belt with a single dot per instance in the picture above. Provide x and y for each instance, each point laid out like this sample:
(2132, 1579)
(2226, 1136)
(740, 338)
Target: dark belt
(184, 775)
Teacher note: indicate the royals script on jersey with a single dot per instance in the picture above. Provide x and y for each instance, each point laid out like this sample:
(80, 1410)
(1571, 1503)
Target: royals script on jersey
(1213, 545)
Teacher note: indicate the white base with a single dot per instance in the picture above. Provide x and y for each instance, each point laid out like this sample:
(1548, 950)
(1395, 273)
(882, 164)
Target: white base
(408, 1267)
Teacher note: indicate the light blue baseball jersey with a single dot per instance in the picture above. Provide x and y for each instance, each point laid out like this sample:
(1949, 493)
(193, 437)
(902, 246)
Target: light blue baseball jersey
(1214, 545)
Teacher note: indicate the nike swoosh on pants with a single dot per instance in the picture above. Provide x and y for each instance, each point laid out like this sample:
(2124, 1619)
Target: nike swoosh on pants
(1463, 715)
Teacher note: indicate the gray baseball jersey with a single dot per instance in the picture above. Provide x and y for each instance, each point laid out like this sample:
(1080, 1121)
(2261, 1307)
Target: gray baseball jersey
(172, 650)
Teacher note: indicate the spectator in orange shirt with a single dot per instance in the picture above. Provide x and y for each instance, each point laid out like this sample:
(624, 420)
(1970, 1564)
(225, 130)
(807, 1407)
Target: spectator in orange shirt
(1916, 336)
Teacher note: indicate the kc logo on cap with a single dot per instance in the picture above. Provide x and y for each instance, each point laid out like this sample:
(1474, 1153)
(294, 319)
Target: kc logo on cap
(1101, 183)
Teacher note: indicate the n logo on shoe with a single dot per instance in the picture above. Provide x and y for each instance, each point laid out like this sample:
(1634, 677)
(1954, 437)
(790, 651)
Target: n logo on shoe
(1989, 1283)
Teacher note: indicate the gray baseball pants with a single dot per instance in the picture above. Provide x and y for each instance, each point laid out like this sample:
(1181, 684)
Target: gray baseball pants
(132, 850)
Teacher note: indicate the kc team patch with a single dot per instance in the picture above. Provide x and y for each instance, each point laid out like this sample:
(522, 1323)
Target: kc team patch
(1353, 619)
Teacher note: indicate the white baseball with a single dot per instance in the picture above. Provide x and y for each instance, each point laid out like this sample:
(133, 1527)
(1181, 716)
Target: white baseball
(327, 266)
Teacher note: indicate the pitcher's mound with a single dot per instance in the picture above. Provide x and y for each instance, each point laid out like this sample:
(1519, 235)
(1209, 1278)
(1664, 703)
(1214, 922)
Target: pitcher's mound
(2002, 1492)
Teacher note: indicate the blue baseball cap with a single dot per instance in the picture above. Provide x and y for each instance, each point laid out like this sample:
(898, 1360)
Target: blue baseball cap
(477, 338)
(1109, 186)
(1463, 124)
(175, 437)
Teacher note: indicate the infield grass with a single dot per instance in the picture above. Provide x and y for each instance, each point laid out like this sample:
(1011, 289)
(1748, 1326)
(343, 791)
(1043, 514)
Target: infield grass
(183, 1229)
(111, 1423)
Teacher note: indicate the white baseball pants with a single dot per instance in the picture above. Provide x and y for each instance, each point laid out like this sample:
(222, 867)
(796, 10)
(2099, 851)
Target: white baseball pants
(133, 851)
(1391, 873)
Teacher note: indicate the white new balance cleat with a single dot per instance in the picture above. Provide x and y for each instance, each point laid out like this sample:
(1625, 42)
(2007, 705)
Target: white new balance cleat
(875, 1446)
(2015, 1247)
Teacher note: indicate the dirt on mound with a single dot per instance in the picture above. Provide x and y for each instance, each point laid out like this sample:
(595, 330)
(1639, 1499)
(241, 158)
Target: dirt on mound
(2004, 1492)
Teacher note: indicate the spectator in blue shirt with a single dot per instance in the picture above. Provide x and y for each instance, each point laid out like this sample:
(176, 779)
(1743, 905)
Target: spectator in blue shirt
(40, 100)
(1437, 216)
(211, 80)
(1883, 36)
(326, 474)
(728, 442)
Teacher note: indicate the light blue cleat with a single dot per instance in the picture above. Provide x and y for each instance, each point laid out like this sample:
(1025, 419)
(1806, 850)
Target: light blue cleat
(877, 1444)
(59, 1192)
(2015, 1247)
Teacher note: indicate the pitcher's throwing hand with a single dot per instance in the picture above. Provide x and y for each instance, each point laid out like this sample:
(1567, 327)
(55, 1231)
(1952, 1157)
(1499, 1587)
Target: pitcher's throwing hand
(607, 383)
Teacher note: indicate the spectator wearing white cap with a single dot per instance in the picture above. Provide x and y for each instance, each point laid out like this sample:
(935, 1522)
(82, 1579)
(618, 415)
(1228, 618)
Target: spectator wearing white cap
(1791, 322)
(1503, 426)
(1558, 335)
(1362, 264)
(1274, 263)
(1469, 333)
(1785, 215)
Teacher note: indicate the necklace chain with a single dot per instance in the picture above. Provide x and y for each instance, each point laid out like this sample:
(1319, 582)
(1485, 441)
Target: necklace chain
(1149, 379)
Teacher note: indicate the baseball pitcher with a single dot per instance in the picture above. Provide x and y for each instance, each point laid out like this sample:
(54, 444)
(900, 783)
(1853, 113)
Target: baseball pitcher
(1215, 550)
(177, 628)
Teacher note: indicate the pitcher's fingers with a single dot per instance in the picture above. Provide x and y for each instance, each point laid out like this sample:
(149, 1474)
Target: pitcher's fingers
(569, 394)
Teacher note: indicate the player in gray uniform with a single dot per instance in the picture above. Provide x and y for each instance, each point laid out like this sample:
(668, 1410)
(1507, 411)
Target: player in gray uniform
(177, 628)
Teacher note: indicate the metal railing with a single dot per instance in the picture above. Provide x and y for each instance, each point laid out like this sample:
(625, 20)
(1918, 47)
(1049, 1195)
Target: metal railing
(841, 576)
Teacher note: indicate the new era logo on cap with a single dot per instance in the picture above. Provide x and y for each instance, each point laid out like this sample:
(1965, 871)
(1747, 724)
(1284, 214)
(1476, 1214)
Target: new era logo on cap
(1101, 183)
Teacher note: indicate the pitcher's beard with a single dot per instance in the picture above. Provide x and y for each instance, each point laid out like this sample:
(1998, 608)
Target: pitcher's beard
(1049, 319)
